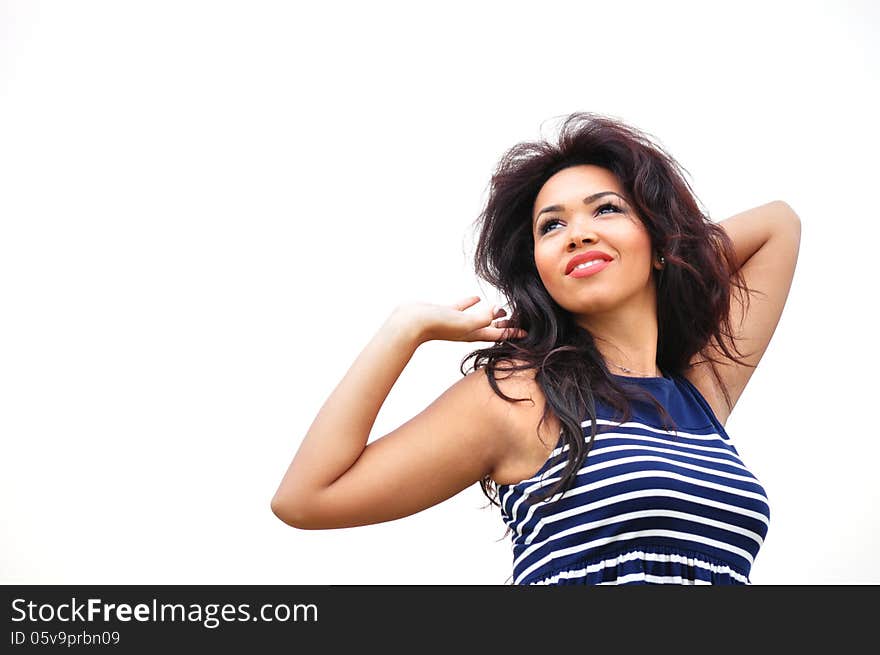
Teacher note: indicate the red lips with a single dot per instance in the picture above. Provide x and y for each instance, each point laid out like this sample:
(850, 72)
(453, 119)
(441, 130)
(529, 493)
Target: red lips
(585, 257)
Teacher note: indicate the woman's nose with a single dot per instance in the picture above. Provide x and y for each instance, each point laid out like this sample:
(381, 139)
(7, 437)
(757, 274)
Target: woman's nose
(582, 231)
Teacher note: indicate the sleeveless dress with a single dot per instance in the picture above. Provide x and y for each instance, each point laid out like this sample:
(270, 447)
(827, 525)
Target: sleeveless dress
(648, 506)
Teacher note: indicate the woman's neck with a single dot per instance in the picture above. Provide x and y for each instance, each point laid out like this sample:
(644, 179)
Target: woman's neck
(626, 339)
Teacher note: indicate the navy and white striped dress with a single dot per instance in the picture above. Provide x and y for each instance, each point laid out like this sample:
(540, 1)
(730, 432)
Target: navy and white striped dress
(648, 506)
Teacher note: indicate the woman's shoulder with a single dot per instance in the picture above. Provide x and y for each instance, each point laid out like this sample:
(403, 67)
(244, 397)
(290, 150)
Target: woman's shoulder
(513, 378)
(517, 378)
(529, 441)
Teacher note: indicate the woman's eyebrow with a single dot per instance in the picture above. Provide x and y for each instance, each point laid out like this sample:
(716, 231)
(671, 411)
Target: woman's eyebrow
(587, 201)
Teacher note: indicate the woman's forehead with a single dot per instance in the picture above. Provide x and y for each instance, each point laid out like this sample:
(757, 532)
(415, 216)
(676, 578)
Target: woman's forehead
(574, 183)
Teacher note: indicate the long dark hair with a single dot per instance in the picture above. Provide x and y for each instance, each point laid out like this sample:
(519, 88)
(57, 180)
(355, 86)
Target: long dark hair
(700, 273)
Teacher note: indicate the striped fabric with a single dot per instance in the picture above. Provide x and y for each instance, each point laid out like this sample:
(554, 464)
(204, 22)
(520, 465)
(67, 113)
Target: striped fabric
(648, 506)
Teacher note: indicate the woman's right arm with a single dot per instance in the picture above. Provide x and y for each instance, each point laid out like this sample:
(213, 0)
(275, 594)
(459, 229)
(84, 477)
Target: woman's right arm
(337, 480)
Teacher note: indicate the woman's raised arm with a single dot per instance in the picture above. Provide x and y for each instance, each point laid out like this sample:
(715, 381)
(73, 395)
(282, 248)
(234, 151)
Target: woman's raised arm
(337, 480)
(767, 241)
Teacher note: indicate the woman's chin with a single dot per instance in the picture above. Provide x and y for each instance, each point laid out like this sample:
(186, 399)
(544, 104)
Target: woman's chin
(591, 309)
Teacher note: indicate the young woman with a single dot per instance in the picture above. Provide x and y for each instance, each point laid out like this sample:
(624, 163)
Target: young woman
(595, 421)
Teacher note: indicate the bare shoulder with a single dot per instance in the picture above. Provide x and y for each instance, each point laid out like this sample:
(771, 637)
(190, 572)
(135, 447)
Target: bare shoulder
(528, 441)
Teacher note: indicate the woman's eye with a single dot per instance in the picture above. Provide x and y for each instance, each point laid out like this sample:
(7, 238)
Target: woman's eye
(607, 205)
(547, 224)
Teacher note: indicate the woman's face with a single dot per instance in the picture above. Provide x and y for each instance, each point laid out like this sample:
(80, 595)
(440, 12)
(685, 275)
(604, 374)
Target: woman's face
(605, 223)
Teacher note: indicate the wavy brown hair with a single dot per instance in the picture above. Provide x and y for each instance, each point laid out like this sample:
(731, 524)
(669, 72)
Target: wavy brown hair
(700, 274)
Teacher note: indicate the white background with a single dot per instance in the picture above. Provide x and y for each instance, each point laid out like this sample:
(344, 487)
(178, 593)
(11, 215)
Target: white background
(209, 208)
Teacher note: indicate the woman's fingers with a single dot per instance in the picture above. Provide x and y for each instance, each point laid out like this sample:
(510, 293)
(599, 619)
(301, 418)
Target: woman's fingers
(491, 322)
(504, 329)
(497, 334)
(495, 311)
(514, 333)
(464, 303)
